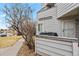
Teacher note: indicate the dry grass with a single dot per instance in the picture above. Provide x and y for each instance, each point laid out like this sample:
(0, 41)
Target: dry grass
(25, 51)
(8, 41)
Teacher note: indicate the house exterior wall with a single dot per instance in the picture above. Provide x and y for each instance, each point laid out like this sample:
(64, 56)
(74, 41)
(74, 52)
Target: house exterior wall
(68, 11)
(49, 25)
(54, 24)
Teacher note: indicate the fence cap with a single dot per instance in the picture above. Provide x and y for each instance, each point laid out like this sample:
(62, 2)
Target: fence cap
(68, 39)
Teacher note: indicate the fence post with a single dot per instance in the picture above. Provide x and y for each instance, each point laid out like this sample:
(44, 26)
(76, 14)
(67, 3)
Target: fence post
(35, 45)
(75, 48)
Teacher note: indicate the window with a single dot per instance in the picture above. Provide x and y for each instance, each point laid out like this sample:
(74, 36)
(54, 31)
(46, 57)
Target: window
(39, 27)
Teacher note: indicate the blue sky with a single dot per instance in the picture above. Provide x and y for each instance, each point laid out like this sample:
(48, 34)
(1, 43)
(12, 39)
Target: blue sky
(35, 6)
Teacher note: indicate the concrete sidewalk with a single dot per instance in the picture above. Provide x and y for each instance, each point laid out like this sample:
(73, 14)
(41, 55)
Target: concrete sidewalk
(13, 50)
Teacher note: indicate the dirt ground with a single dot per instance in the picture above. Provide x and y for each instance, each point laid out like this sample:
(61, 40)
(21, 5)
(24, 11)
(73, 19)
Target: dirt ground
(25, 51)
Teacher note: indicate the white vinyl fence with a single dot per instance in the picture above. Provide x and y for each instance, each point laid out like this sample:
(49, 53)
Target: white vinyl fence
(56, 46)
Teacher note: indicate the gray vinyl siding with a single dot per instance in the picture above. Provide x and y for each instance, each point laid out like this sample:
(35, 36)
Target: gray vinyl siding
(54, 46)
(51, 24)
(63, 8)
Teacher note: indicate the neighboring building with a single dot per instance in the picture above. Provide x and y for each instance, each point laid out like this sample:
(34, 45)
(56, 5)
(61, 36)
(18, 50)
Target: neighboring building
(11, 31)
(8, 32)
(62, 18)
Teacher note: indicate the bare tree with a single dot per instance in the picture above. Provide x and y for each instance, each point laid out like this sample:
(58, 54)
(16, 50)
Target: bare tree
(20, 19)
(27, 30)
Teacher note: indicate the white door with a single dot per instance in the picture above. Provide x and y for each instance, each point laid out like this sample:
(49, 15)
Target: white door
(68, 28)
